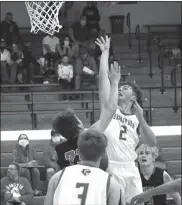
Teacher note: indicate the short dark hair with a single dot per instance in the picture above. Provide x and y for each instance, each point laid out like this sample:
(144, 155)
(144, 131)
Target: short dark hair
(16, 165)
(136, 90)
(66, 124)
(92, 144)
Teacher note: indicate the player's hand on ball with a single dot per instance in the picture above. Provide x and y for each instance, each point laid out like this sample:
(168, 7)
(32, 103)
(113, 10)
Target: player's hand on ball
(137, 110)
(115, 73)
(104, 44)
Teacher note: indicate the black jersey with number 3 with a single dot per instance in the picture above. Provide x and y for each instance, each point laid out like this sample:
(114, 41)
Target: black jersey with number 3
(155, 180)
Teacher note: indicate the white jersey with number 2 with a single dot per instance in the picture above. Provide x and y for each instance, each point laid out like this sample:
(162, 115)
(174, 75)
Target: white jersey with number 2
(82, 185)
(123, 137)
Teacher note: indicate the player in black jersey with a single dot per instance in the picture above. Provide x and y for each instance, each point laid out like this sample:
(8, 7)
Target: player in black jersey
(69, 126)
(153, 176)
(167, 188)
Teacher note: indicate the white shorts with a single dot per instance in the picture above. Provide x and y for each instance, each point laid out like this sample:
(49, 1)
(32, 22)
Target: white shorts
(128, 176)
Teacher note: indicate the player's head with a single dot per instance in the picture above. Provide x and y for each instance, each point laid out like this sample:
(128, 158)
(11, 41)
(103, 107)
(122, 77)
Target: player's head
(92, 145)
(147, 155)
(129, 92)
(13, 170)
(68, 124)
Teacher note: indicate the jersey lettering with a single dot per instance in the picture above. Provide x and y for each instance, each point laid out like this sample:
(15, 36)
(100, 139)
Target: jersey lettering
(71, 155)
(122, 131)
(83, 196)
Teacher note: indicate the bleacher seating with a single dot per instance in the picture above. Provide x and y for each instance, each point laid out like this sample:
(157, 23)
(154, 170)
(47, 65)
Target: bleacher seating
(169, 159)
(17, 106)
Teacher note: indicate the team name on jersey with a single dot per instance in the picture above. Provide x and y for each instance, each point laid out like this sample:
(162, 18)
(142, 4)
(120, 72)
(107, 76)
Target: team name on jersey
(124, 120)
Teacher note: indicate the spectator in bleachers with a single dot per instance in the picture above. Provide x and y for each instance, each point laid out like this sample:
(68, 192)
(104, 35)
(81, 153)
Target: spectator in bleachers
(79, 34)
(5, 62)
(92, 13)
(51, 47)
(65, 72)
(26, 157)
(50, 155)
(16, 189)
(9, 30)
(85, 68)
(30, 64)
(24, 63)
(153, 176)
(67, 48)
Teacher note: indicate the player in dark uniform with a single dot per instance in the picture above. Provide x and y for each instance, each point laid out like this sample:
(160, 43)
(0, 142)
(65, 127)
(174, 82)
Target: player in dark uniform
(153, 176)
(69, 126)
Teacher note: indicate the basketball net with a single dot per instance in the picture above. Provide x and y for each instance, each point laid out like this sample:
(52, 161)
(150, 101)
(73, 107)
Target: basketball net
(44, 16)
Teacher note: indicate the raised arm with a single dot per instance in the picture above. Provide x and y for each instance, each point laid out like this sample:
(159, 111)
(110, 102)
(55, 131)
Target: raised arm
(104, 84)
(111, 105)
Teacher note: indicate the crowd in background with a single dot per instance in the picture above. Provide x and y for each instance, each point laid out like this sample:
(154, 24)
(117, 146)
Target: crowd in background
(72, 58)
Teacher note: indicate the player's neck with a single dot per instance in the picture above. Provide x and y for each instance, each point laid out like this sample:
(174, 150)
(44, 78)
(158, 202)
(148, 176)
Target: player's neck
(147, 171)
(125, 107)
(90, 163)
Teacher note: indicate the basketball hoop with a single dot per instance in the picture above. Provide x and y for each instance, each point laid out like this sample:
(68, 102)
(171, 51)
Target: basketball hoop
(44, 16)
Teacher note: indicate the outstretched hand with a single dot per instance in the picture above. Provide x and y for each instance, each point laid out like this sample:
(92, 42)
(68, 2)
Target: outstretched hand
(115, 72)
(104, 44)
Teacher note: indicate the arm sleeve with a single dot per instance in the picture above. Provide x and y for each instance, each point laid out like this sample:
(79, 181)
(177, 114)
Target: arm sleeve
(78, 67)
(71, 72)
(28, 195)
(47, 157)
(3, 188)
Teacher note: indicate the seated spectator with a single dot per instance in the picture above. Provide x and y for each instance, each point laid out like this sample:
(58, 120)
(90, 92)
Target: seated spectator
(30, 64)
(93, 17)
(16, 61)
(50, 155)
(16, 189)
(79, 34)
(5, 63)
(25, 156)
(25, 63)
(85, 68)
(153, 176)
(67, 48)
(51, 47)
(65, 73)
(9, 30)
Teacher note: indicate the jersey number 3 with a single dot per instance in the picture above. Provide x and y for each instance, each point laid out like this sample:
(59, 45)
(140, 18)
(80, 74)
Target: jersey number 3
(122, 131)
(83, 196)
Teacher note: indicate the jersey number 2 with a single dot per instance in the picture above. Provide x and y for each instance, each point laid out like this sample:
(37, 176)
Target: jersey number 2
(83, 196)
(122, 131)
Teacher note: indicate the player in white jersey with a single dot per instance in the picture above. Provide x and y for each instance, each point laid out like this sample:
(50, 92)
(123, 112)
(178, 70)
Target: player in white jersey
(126, 130)
(71, 130)
(85, 183)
